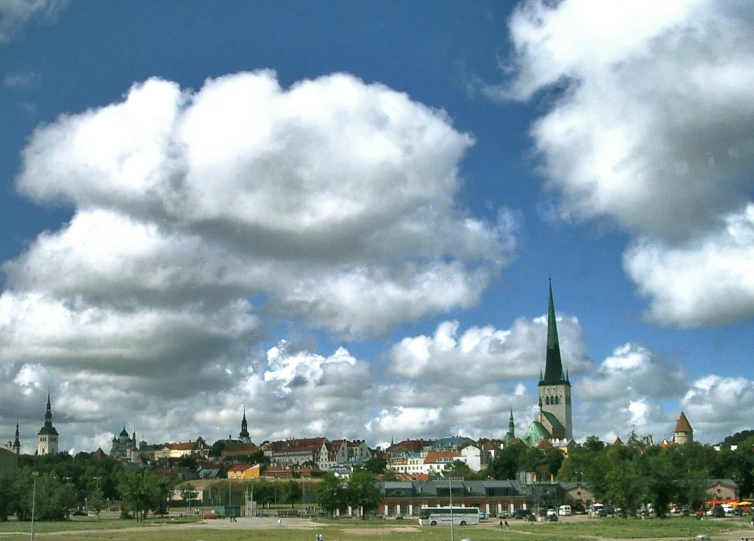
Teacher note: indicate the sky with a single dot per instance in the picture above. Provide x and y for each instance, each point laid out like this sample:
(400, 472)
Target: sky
(342, 217)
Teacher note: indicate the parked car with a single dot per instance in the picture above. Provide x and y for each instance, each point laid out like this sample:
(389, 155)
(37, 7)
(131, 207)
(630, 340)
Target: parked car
(553, 517)
(524, 514)
(210, 515)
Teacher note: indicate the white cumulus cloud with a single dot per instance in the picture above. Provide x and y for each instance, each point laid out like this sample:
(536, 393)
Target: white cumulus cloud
(649, 125)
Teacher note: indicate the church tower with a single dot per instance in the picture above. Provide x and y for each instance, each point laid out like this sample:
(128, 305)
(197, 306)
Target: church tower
(683, 432)
(15, 445)
(554, 386)
(244, 434)
(47, 437)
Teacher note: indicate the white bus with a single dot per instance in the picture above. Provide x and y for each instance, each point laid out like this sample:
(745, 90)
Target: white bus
(564, 511)
(460, 516)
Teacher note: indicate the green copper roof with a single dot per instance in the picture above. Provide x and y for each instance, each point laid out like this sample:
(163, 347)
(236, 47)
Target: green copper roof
(553, 365)
(48, 429)
(534, 433)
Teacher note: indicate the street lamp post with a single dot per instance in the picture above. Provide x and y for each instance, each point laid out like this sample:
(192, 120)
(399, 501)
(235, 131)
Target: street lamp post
(33, 502)
(98, 501)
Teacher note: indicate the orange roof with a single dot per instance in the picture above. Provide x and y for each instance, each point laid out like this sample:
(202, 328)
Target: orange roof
(544, 444)
(241, 467)
(683, 424)
(190, 446)
(618, 441)
(435, 456)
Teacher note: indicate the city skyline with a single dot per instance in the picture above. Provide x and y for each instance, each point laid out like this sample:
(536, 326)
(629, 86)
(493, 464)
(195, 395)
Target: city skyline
(343, 217)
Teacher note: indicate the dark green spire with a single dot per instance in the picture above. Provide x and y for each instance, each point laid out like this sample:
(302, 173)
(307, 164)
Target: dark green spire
(48, 429)
(48, 413)
(17, 441)
(511, 425)
(553, 364)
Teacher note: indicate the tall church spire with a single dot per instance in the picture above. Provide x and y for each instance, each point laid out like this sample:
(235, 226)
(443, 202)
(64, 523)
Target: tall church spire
(48, 413)
(47, 437)
(553, 364)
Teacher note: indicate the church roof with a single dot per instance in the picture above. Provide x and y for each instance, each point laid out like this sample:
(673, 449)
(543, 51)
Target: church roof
(123, 432)
(683, 424)
(47, 431)
(554, 374)
(534, 433)
(552, 420)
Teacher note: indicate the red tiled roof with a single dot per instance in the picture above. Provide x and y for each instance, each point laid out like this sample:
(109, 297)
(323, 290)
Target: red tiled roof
(240, 467)
(683, 424)
(544, 444)
(434, 456)
(190, 446)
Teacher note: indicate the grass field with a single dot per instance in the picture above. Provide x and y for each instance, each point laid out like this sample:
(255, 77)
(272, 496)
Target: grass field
(189, 528)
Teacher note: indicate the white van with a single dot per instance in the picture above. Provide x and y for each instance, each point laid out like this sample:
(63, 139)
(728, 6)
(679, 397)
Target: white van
(728, 509)
(564, 510)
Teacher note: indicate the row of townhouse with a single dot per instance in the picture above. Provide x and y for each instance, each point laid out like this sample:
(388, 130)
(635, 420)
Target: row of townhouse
(325, 454)
(434, 458)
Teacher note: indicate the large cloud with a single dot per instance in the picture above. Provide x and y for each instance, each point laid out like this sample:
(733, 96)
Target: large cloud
(202, 219)
(650, 125)
(488, 354)
(305, 195)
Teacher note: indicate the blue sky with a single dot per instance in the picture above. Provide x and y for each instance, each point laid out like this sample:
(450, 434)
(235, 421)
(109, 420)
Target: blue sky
(343, 217)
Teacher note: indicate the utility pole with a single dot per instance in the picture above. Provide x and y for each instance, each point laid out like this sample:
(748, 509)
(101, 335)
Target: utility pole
(450, 484)
(33, 502)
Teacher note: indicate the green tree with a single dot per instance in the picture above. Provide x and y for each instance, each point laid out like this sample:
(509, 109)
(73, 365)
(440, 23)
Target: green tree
(363, 491)
(624, 485)
(50, 498)
(188, 493)
(95, 501)
(376, 465)
(142, 491)
(506, 464)
(458, 468)
(8, 493)
(291, 492)
(263, 492)
(331, 494)
(217, 448)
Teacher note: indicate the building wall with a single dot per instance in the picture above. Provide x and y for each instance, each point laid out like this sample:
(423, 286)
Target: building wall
(8, 460)
(47, 444)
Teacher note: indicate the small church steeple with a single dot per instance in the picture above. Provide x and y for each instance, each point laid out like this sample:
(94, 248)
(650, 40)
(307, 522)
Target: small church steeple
(244, 434)
(17, 442)
(512, 425)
